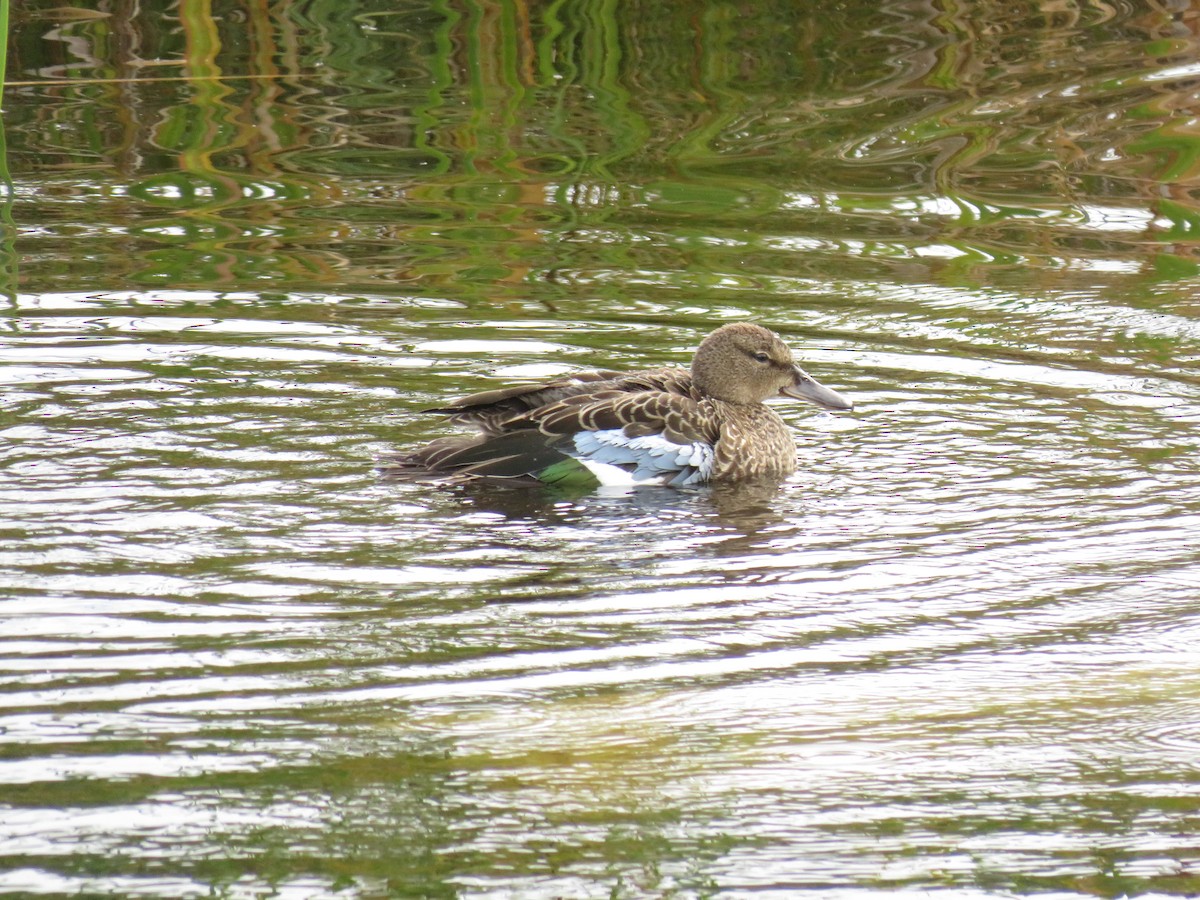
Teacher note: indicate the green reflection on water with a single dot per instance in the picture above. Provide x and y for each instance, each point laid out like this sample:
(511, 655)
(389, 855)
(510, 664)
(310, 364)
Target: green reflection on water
(583, 114)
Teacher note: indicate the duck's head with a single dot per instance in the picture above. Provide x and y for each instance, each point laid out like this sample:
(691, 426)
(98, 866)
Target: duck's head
(746, 363)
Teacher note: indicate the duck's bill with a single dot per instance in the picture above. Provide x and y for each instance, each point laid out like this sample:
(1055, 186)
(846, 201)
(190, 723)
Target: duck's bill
(808, 388)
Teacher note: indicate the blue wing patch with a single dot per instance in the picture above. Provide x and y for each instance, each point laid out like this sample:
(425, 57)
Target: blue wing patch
(648, 459)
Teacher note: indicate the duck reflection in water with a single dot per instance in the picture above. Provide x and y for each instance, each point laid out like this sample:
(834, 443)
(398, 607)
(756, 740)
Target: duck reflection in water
(745, 507)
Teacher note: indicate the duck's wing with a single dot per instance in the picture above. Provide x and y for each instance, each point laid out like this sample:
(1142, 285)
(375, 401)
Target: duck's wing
(617, 436)
(513, 455)
(490, 410)
(648, 411)
(650, 436)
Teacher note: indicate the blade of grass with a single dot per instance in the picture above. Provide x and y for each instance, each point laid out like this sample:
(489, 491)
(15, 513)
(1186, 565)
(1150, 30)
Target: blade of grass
(7, 248)
(3, 44)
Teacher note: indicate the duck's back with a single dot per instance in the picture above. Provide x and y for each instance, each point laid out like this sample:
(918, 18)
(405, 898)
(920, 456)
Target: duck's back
(492, 411)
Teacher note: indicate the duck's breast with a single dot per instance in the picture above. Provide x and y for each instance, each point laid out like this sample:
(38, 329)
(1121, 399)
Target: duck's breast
(755, 443)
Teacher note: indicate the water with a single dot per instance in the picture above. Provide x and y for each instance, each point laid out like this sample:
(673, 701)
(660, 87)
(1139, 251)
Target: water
(953, 656)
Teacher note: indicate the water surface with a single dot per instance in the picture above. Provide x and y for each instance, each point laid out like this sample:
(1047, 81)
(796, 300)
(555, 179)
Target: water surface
(952, 656)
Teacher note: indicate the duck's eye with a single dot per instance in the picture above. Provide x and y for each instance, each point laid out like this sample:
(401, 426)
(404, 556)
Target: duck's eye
(762, 357)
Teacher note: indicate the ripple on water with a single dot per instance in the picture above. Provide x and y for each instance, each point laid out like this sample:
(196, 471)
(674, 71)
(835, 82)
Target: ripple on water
(972, 606)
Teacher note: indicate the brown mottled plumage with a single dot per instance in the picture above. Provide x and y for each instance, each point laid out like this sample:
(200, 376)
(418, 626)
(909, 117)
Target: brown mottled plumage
(709, 424)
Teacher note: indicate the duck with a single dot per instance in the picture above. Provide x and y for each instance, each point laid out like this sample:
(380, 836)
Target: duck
(675, 426)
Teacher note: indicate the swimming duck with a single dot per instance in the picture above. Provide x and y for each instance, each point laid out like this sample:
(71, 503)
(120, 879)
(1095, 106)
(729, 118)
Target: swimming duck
(666, 426)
